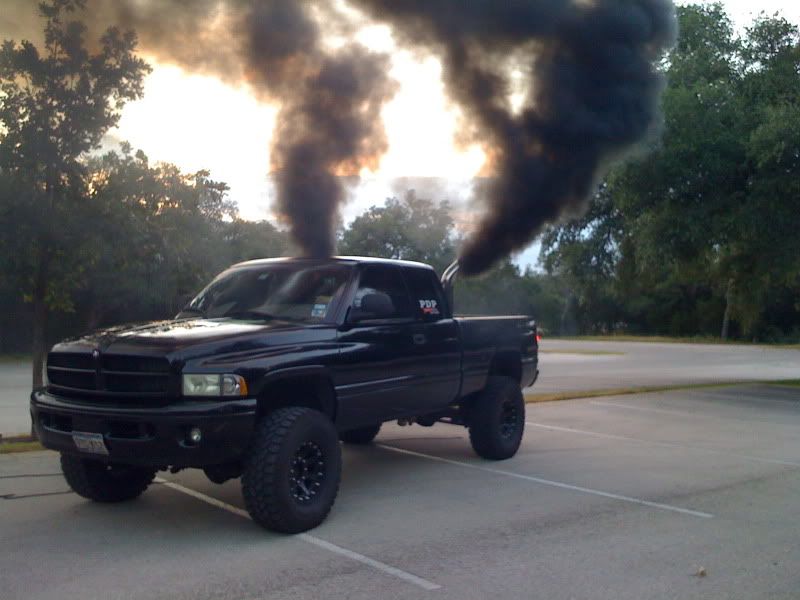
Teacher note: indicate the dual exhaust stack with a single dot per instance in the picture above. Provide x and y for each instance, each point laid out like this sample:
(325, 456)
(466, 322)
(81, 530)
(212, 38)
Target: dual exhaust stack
(448, 280)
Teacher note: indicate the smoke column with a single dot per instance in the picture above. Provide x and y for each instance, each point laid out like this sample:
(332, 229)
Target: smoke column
(329, 126)
(591, 95)
(329, 123)
(590, 92)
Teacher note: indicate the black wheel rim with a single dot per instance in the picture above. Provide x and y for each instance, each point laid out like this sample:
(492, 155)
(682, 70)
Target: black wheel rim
(509, 419)
(307, 473)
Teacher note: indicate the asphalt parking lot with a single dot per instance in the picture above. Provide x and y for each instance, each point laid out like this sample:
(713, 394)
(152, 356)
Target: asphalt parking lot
(578, 365)
(683, 494)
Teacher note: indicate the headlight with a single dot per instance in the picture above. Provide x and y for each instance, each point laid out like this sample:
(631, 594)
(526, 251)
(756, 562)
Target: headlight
(214, 385)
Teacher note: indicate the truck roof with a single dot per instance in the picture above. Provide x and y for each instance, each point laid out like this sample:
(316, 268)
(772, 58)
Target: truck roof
(341, 259)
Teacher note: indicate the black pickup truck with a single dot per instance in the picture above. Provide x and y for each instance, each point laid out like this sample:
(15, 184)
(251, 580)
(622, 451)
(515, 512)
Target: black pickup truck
(272, 364)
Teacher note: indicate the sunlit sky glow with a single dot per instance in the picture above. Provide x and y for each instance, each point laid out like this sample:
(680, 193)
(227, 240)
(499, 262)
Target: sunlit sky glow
(197, 122)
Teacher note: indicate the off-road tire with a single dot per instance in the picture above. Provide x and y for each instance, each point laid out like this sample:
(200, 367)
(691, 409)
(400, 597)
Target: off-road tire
(269, 493)
(497, 419)
(361, 436)
(103, 482)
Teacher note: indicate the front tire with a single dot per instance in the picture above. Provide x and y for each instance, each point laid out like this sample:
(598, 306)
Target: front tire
(497, 419)
(291, 475)
(361, 436)
(103, 482)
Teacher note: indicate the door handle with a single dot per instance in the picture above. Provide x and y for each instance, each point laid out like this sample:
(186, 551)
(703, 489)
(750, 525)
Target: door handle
(419, 339)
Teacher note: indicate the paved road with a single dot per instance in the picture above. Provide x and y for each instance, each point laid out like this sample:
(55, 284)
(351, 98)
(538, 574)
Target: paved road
(15, 389)
(634, 364)
(643, 364)
(610, 498)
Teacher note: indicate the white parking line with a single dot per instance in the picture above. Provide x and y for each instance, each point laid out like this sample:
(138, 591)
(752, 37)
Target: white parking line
(558, 484)
(626, 438)
(761, 396)
(646, 408)
(320, 543)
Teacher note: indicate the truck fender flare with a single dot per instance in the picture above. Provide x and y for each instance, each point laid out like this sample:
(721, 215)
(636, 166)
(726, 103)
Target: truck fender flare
(304, 374)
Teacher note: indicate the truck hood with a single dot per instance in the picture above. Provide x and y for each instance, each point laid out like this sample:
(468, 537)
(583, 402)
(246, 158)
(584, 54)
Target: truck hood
(194, 336)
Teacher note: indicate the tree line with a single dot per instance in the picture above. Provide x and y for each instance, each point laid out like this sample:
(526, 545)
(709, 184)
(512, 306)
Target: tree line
(700, 234)
(696, 236)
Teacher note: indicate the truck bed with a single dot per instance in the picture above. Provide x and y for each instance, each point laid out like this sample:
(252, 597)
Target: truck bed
(487, 338)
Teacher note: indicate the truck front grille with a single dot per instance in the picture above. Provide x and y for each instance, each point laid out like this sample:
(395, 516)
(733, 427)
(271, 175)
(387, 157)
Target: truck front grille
(111, 375)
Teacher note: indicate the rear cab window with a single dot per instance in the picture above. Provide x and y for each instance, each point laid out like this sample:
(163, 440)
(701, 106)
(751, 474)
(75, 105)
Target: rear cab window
(426, 294)
(387, 280)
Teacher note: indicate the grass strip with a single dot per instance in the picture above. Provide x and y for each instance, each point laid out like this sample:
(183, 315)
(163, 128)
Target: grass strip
(12, 358)
(577, 394)
(17, 447)
(658, 339)
(788, 382)
(582, 352)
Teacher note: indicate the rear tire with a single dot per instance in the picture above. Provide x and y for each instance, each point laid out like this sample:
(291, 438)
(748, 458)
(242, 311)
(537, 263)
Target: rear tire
(291, 475)
(497, 419)
(103, 482)
(361, 436)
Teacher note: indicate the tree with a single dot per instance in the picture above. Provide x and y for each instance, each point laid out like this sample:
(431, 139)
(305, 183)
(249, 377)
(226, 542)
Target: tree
(248, 240)
(705, 222)
(55, 106)
(161, 232)
(583, 255)
(164, 235)
(760, 249)
(505, 290)
(411, 229)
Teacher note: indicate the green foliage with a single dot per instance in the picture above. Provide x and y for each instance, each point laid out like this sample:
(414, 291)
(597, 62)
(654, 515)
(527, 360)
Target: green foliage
(505, 290)
(703, 228)
(107, 238)
(410, 229)
(160, 236)
(414, 228)
(55, 106)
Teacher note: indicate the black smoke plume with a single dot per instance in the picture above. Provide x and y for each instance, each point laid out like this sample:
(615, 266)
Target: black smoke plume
(587, 67)
(591, 94)
(329, 123)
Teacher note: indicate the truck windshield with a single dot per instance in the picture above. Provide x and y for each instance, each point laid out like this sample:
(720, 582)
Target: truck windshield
(292, 292)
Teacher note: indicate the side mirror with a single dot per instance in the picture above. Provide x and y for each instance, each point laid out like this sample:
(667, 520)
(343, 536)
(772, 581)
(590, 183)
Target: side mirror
(373, 306)
(380, 305)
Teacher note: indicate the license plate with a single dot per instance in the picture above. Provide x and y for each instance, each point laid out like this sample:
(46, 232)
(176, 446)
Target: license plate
(90, 442)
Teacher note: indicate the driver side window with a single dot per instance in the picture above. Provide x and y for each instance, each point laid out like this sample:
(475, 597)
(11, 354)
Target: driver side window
(383, 280)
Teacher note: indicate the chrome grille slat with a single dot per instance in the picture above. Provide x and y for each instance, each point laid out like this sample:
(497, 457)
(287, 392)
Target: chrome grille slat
(69, 369)
(134, 364)
(70, 360)
(118, 376)
(134, 374)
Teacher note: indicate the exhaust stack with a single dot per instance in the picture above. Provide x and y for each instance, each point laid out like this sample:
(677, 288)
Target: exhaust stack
(448, 280)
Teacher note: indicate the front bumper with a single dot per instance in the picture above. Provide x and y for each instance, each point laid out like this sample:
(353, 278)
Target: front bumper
(155, 437)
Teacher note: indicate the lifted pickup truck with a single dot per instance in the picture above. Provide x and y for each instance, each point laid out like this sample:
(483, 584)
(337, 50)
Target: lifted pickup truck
(272, 364)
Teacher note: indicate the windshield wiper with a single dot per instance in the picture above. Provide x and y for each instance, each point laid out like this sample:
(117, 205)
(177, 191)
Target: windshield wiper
(192, 310)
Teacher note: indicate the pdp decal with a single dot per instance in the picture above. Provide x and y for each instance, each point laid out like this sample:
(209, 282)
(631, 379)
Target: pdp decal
(429, 307)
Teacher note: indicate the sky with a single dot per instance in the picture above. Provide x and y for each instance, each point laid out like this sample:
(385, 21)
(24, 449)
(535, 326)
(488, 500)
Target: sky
(197, 122)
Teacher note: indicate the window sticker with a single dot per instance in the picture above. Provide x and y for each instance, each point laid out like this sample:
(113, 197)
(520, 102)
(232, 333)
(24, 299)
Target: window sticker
(429, 307)
(320, 307)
